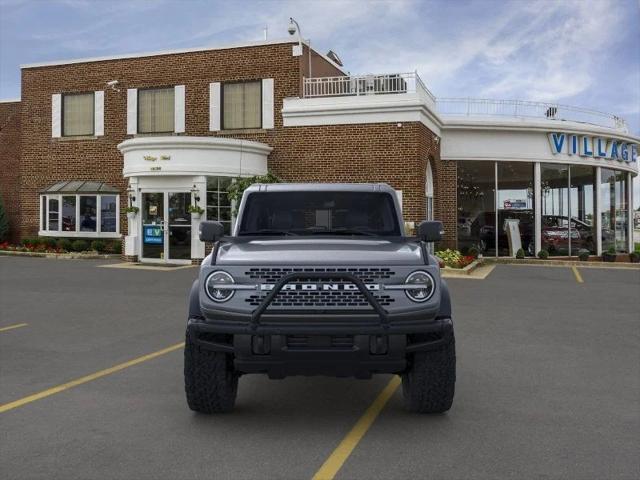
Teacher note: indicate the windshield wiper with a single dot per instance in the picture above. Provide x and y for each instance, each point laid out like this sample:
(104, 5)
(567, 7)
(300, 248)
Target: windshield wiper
(269, 231)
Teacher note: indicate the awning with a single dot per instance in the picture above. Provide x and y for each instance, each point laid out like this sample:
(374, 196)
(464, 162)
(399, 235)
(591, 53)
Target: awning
(80, 186)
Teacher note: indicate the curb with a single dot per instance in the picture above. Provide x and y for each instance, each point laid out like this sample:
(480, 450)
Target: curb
(563, 263)
(62, 256)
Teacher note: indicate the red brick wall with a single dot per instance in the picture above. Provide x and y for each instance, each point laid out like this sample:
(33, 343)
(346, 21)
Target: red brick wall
(10, 163)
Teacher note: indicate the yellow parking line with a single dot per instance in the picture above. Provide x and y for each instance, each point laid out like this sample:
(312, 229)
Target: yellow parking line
(94, 376)
(11, 327)
(335, 461)
(576, 273)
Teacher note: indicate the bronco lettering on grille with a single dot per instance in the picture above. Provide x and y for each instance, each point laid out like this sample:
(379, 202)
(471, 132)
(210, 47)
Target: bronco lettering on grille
(315, 287)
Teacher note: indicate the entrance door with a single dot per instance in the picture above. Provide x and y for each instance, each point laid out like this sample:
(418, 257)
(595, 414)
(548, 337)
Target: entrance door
(166, 227)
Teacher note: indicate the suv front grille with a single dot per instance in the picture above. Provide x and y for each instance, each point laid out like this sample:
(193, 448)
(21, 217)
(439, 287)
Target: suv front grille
(320, 298)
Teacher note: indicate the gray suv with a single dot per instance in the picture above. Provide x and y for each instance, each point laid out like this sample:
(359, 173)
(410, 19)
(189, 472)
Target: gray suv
(319, 279)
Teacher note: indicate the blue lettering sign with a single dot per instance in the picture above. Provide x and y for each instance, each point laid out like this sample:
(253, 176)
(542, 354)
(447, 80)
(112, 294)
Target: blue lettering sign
(573, 146)
(586, 148)
(624, 152)
(634, 153)
(601, 150)
(153, 235)
(557, 142)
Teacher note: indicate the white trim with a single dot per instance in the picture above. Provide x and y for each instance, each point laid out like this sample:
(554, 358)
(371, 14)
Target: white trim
(214, 107)
(268, 119)
(98, 113)
(132, 111)
(630, 213)
(598, 212)
(178, 108)
(157, 53)
(56, 115)
(77, 233)
(10, 100)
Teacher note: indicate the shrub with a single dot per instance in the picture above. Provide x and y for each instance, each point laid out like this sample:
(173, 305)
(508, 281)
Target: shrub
(4, 223)
(473, 252)
(634, 257)
(543, 254)
(79, 245)
(451, 258)
(583, 254)
(520, 253)
(48, 242)
(115, 246)
(611, 250)
(240, 184)
(98, 246)
(64, 244)
(29, 241)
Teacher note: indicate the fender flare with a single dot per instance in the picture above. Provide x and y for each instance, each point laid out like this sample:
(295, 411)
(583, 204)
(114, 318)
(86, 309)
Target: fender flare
(194, 300)
(445, 301)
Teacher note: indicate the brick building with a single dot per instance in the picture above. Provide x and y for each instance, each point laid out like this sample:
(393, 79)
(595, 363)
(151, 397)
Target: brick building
(162, 131)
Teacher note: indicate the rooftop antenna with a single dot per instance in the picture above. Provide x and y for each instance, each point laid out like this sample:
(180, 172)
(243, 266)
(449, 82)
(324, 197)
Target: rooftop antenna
(266, 32)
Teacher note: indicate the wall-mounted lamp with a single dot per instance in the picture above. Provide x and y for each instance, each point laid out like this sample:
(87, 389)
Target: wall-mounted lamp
(196, 194)
(132, 197)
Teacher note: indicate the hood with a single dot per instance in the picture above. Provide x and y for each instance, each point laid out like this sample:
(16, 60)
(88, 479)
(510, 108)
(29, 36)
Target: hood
(320, 251)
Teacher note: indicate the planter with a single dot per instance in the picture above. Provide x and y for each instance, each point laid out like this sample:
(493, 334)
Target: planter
(609, 257)
(634, 257)
(195, 216)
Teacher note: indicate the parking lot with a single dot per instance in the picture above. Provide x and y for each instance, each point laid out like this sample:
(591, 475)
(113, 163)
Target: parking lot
(548, 385)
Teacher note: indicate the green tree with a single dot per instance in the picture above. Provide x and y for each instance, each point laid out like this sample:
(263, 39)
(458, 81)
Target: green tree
(4, 223)
(240, 184)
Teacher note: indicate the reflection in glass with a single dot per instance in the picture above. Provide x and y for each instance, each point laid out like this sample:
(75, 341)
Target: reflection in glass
(581, 204)
(108, 219)
(515, 205)
(476, 206)
(554, 189)
(218, 202)
(152, 225)
(614, 210)
(69, 213)
(179, 226)
(53, 214)
(88, 213)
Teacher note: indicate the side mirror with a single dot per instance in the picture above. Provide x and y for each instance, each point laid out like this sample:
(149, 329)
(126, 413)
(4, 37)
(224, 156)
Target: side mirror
(429, 231)
(211, 231)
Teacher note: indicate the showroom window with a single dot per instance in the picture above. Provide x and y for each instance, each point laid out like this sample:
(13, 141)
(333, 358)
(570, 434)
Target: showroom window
(515, 208)
(477, 206)
(614, 210)
(242, 105)
(156, 110)
(79, 209)
(554, 190)
(78, 114)
(218, 202)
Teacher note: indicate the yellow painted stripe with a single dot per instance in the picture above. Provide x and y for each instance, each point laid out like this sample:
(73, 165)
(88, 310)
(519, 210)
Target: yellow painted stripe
(576, 273)
(11, 327)
(94, 376)
(335, 461)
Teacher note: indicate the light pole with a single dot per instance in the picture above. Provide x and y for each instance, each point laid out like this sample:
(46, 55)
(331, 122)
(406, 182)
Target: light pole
(293, 28)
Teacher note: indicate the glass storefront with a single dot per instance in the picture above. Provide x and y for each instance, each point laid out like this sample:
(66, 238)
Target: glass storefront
(614, 210)
(568, 205)
(218, 203)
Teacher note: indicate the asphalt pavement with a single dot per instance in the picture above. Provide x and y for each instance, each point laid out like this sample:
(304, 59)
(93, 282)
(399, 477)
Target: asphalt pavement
(548, 385)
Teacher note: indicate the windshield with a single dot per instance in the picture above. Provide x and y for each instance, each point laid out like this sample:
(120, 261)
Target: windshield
(319, 213)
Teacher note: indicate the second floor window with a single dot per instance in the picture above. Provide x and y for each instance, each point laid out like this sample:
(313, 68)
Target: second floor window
(77, 114)
(242, 105)
(156, 110)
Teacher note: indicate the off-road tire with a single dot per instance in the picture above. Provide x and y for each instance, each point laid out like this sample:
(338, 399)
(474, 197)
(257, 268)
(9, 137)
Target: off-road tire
(428, 384)
(210, 382)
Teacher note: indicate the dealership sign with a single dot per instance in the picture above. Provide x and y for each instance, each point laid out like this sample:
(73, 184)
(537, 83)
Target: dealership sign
(597, 147)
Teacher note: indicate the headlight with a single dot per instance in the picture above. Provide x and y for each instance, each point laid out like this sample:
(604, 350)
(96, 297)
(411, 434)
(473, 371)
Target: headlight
(214, 286)
(425, 286)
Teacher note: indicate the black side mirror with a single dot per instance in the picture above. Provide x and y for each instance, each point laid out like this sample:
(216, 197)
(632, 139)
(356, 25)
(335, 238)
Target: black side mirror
(430, 231)
(211, 231)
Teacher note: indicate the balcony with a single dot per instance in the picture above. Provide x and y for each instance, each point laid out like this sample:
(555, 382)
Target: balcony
(406, 85)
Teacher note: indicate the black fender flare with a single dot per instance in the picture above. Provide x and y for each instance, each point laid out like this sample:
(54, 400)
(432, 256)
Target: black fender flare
(194, 300)
(445, 301)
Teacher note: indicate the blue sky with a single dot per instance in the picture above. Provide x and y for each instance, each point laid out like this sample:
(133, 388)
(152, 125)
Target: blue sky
(578, 52)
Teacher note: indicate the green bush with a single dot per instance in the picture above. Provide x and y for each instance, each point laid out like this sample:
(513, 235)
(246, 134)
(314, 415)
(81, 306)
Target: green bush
(473, 251)
(48, 242)
(543, 254)
(115, 246)
(240, 184)
(583, 254)
(611, 250)
(99, 246)
(64, 244)
(520, 253)
(4, 223)
(634, 257)
(450, 257)
(28, 241)
(79, 245)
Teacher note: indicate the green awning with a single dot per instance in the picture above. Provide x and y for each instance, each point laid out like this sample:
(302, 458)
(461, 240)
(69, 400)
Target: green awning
(80, 186)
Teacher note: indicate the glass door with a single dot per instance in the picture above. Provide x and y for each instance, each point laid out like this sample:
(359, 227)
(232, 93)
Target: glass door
(153, 244)
(179, 226)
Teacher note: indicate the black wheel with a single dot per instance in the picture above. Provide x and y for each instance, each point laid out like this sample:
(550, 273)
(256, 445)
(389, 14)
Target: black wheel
(428, 384)
(210, 382)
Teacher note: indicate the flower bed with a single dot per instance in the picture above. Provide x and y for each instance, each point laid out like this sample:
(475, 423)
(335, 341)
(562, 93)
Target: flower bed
(454, 259)
(63, 245)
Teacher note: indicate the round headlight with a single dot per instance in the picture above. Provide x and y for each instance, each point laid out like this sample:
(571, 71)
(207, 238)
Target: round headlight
(425, 286)
(214, 286)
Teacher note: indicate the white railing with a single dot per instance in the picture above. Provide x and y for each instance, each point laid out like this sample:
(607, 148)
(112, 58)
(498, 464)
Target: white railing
(521, 108)
(356, 85)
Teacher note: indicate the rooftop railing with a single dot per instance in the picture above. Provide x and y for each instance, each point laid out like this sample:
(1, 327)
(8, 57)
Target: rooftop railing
(399, 83)
(478, 107)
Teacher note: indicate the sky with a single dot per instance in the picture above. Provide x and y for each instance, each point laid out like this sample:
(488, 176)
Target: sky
(576, 52)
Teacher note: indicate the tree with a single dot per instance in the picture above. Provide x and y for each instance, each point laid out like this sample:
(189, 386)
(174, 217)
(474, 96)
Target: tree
(4, 223)
(240, 184)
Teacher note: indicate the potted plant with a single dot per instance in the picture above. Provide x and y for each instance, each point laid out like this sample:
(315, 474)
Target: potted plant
(610, 255)
(635, 256)
(195, 211)
(131, 212)
(520, 254)
(543, 254)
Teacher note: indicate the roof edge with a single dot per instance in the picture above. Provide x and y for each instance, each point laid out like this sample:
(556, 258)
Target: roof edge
(10, 100)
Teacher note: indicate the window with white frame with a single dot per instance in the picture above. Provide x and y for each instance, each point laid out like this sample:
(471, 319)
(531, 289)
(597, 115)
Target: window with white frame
(78, 114)
(79, 209)
(218, 203)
